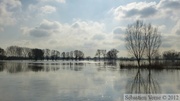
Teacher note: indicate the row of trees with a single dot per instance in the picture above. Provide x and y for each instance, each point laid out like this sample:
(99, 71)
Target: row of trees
(110, 55)
(171, 55)
(16, 52)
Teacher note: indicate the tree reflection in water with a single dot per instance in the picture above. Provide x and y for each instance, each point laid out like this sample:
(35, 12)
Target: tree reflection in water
(139, 85)
(107, 65)
(152, 86)
(1, 66)
(17, 67)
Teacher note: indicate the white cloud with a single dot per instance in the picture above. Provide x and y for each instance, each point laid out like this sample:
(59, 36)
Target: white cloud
(135, 10)
(46, 28)
(60, 1)
(48, 9)
(146, 10)
(7, 9)
(84, 35)
(176, 28)
(119, 30)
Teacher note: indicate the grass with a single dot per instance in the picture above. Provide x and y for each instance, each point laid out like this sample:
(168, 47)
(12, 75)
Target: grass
(155, 65)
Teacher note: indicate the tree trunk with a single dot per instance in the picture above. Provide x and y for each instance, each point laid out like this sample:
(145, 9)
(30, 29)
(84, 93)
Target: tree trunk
(138, 60)
(149, 59)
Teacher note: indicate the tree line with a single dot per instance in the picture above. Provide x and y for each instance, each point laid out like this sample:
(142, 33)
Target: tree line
(24, 53)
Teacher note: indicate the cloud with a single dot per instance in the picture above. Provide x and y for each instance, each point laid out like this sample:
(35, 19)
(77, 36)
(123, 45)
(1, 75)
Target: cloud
(82, 35)
(169, 4)
(98, 37)
(146, 10)
(59, 1)
(46, 28)
(176, 28)
(48, 9)
(118, 30)
(178, 32)
(140, 10)
(7, 10)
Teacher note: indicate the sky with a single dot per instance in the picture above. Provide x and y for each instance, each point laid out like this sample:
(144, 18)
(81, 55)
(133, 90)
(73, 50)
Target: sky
(86, 25)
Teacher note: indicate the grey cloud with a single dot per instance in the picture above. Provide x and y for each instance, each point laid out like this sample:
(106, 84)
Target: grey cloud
(166, 45)
(118, 37)
(49, 26)
(39, 33)
(46, 28)
(145, 12)
(178, 32)
(118, 31)
(98, 37)
(170, 4)
(75, 25)
(132, 12)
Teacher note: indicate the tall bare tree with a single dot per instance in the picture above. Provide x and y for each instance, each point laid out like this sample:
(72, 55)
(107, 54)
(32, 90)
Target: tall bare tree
(152, 41)
(135, 40)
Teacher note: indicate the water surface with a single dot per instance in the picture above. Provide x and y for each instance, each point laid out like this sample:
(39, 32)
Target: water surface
(80, 81)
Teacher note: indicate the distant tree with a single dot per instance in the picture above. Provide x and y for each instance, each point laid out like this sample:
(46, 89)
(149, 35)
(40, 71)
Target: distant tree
(171, 55)
(88, 58)
(2, 54)
(37, 54)
(152, 41)
(53, 53)
(135, 40)
(100, 53)
(63, 55)
(25, 52)
(57, 55)
(11, 51)
(47, 54)
(112, 54)
(78, 55)
(67, 55)
(72, 55)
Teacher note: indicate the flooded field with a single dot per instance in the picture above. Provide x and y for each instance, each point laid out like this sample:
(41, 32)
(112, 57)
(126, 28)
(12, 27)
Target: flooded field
(80, 81)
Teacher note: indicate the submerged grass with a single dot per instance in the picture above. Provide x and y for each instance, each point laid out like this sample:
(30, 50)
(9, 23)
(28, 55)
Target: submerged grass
(155, 65)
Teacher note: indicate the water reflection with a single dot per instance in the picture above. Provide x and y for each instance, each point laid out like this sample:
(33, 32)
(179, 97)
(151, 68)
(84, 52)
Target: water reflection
(17, 67)
(1, 66)
(152, 86)
(142, 84)
(107, 65)
(80, 81)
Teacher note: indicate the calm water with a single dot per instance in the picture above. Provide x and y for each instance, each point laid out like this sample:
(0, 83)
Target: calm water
(80, 81)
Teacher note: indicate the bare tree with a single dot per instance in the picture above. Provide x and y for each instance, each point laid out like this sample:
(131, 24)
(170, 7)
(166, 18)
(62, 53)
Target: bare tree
(67, 55)
(135, 40)
(78, 54)
(63, 55)
(71, 55)
(57, 55)
(171, 55)
(112, 54)
(2, 54)
(100, 53)
(25, 52)
(152, 41)
(47, 53)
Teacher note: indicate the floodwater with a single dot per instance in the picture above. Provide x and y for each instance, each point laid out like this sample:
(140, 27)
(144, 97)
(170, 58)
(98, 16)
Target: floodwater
(80, 81)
